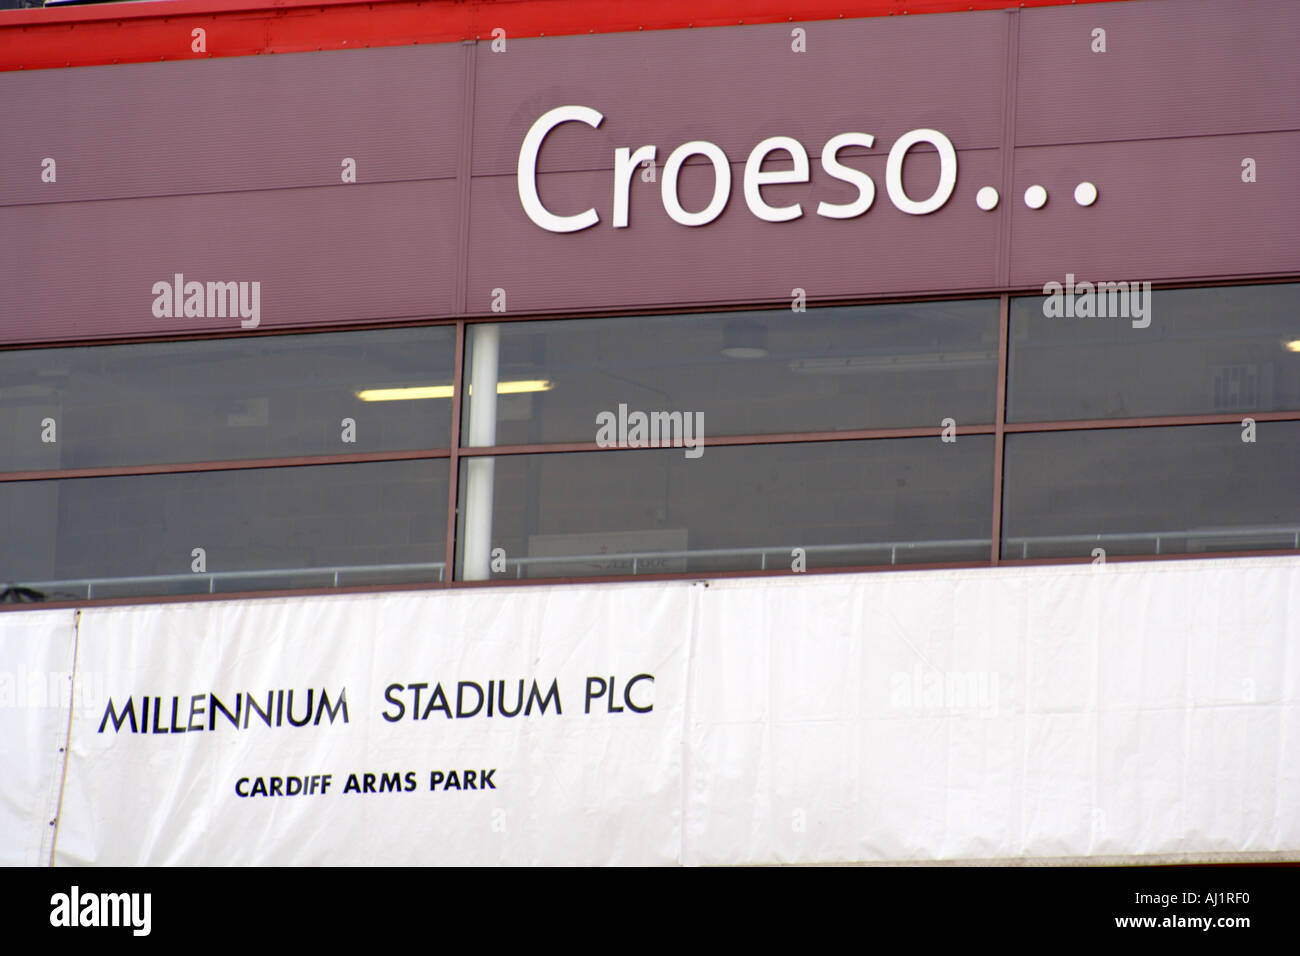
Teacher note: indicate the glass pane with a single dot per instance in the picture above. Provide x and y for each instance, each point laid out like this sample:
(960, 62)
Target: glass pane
(770, 372)
(894, 501)
(1179, 490)
(1231, 349)
(216, 400)
(263, 528)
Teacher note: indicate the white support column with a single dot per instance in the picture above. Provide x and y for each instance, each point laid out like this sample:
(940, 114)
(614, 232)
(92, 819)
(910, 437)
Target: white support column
(482, 432)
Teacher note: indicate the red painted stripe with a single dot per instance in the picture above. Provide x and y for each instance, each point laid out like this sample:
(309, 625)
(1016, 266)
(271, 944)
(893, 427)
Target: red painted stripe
(161, 30)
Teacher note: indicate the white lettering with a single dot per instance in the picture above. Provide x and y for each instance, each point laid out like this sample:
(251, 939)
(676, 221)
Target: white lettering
(628, 160)
(837, 170)
(721, 183)
(894, 171)
(528, 169)
(755, 178)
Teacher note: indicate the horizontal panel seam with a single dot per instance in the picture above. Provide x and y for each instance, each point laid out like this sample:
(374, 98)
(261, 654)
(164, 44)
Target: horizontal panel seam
(451, 178)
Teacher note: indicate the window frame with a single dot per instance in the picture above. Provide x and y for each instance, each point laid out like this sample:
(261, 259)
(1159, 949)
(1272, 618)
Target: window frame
(999, 429)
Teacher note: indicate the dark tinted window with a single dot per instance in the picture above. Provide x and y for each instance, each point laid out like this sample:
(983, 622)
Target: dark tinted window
(771, 372)
(1175, 490)
(297, 526)
(1206, 350)
(859, 502)
(249, 397)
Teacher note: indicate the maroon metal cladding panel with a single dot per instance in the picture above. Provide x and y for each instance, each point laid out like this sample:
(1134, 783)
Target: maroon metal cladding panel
(737, 257)
(1166, 209)
(737, 86)
(1160, 123)
(322, 255)
(158, 129)
(734, 88)
(1171, 68)
(228, 170)
(1165, 212)
(231, 170)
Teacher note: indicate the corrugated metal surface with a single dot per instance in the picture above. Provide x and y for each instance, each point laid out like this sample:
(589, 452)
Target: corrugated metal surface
(322, 255)
(737, 87)
(242, 152)
(1168, 209)
(156, 129)
(1171, 68)
(738, 257)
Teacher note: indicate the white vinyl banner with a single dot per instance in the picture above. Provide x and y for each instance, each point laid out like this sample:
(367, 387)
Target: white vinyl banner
(1133, 710)
(1112, 710)
(37, 650)
(474, 727)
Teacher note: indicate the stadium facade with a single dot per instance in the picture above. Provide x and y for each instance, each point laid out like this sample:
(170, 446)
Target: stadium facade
(534, 432)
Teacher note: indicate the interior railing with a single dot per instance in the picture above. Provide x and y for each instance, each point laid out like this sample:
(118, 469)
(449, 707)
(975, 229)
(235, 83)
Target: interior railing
(768, 557)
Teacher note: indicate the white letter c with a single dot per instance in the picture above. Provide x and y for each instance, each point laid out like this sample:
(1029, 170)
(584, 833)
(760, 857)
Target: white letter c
(528, 169)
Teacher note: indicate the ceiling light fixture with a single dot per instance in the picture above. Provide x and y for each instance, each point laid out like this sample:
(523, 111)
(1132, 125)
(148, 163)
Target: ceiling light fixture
(744, 339)
(413, 392)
